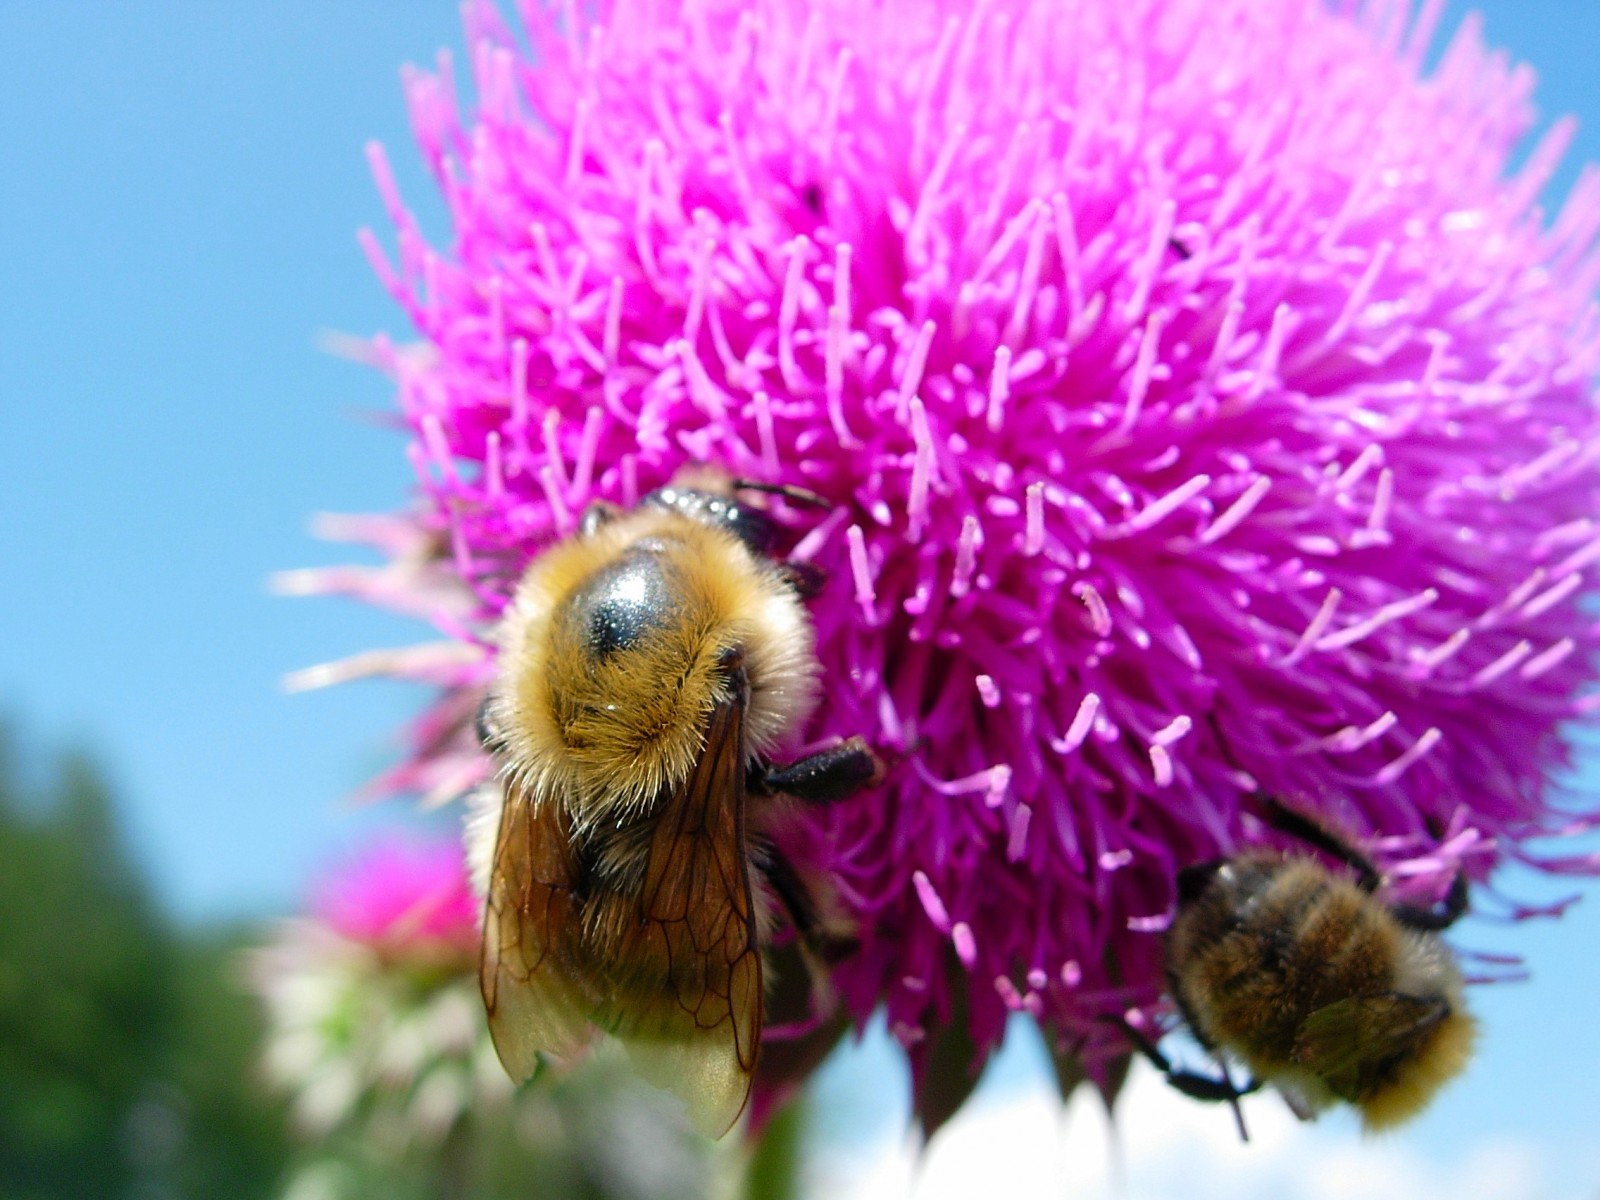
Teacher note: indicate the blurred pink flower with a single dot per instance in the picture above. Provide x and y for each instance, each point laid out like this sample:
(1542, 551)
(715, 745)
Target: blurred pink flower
(1176, 366)
(401, 893)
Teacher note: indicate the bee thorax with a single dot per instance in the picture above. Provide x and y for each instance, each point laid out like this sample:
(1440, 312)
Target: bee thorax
(624, 601)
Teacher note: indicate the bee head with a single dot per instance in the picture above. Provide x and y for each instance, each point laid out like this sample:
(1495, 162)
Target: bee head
(1194, 880)
(719, 509)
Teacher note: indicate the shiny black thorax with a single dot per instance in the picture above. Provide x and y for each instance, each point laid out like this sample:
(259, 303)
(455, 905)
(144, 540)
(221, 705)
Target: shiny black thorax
(1222, 904)
(634, 596)
(622, 603)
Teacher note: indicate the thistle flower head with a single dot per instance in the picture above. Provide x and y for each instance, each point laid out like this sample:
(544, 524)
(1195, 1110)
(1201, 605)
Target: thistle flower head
(375, 1034)
(1204, 405)
(372, 1008)
(401, 893)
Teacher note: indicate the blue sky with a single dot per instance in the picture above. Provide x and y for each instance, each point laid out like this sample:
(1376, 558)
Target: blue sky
(183, 183)
(177, 226)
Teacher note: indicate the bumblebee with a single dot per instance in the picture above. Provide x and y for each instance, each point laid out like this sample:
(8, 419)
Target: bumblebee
(1312, 982)
(649, 666)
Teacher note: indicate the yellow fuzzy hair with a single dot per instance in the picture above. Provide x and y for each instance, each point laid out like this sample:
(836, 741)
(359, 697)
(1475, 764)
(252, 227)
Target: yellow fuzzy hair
(603, 737)
(1440, 1060)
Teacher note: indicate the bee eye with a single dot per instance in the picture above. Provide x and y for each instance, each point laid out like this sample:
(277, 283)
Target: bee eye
(619, 604)
(484, 725)
(1194, 880)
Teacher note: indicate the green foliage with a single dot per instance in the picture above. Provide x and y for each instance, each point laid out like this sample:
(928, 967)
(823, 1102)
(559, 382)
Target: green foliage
(125, 1049)
(774, 1171)
(235, 1141)
(130, 1059)
(86, 1005)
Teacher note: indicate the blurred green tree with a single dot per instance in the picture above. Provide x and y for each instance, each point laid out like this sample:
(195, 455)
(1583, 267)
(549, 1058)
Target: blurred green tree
(126, 1049)
(130, 1058)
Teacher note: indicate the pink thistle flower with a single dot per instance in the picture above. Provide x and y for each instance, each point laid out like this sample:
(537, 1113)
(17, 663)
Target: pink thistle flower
(375, 1037)
(402, 895)
(1177, 367)
(371, 1000)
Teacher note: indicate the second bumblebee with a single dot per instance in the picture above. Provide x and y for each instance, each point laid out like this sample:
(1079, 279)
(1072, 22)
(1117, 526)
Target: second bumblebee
(1302, 974)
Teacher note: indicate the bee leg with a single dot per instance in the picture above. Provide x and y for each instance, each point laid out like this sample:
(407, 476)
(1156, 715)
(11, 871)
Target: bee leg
(828, 775)
(1297, 825)
(598, 514)
(1233, 1100)
(1190, 1083)
(795, 897)
(807, 579)
(1432, 920)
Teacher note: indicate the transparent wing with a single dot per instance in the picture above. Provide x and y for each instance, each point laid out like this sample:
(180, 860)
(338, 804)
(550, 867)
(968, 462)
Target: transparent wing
(533, 970)
(670, 966)
(698, 1035)
(1343, 1043)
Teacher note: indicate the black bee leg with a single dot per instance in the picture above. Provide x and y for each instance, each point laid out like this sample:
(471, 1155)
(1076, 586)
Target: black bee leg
(796, 899)
(1432, 920)
(1233, 1099)
(807, 579)
(828, 775)
(794, 495)
(596, 515)
(1297, 825)
(1190, 1083)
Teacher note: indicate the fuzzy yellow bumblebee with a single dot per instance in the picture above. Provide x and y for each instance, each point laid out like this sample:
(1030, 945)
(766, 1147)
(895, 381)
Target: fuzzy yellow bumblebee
(1313, 983)
(649, 667)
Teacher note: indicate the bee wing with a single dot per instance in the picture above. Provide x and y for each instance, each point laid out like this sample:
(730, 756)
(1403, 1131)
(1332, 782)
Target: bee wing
(531, 962)
(700, 1039)
(1301, 1104)
(1342, 1042)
